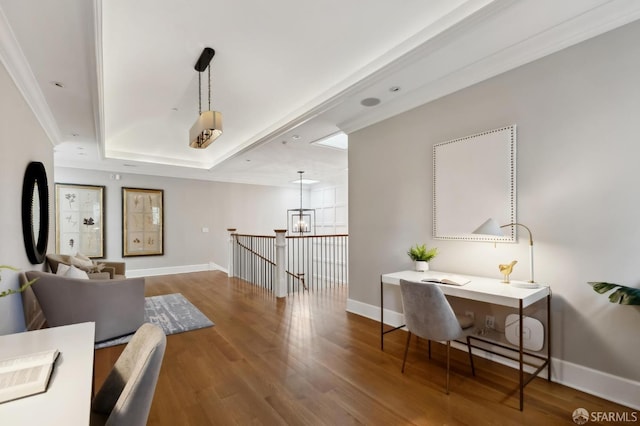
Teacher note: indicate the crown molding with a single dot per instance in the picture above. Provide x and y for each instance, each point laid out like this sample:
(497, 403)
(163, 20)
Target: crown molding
(18, 68)
(98, 87)
(592, 23)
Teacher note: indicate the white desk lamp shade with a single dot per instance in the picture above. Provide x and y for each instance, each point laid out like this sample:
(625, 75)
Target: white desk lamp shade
(491, 227)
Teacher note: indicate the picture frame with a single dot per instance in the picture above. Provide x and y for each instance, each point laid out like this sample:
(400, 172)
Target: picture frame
(474, 178)
(142, 222)
(80, 219)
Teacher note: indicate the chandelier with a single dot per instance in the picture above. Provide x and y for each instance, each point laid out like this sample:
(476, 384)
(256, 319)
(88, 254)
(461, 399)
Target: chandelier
(301, 221)
(208, 126)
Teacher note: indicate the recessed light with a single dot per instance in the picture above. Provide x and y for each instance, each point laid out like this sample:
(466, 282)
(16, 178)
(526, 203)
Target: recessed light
(79, 148)
(129, 165)
(369, 102)
(295, 137)
(174, 109)
(394, 89)
(247, 160)
(57, 84)
(75, 135)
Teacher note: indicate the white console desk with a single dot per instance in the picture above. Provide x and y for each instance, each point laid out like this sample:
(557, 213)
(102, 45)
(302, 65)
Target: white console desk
(67, 400)
(488, 290)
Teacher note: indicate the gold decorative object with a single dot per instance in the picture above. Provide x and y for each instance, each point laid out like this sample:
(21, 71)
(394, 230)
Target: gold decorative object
(506, 270)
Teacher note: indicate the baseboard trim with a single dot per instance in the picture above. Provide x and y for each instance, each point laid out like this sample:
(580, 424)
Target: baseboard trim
(171, 270)
(604, 385)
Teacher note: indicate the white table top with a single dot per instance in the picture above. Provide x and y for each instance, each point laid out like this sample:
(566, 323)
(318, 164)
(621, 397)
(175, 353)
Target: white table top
(67, 401)
(482, 289)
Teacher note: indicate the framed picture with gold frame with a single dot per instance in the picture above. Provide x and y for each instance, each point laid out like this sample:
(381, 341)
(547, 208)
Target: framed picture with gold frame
(80, 219)
(142, 222)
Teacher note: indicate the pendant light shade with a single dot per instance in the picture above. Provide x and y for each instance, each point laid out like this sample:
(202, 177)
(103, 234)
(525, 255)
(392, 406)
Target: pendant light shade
(206, 129)
(301, 221)
(208, 126)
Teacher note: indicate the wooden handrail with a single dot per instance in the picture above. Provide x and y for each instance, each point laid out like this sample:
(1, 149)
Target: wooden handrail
(255, 253)
(255, 236)
(317, 236)
(296, 276)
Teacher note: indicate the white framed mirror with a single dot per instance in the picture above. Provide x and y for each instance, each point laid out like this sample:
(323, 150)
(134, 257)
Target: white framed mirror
(474, 178)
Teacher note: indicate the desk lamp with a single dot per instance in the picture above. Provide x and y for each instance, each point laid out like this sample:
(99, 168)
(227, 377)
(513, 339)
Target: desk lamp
(491, 227)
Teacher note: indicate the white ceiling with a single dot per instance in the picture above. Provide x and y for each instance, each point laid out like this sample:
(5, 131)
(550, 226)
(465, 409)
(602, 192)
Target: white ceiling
(282, 68)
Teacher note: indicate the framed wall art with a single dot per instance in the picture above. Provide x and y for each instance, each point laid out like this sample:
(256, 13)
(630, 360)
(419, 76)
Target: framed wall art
(80, 219)
(474, 178)
(142, 222)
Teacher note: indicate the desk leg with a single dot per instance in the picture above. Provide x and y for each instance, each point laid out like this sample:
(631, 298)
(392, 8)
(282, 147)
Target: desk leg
(381, 318)
(521, 361)
(549, 336)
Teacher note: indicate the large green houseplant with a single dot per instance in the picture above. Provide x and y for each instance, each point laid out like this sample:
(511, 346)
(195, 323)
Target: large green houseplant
(623, 295)
(422, 256)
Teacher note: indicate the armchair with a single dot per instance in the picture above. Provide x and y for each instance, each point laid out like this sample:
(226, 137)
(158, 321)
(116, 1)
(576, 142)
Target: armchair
(116, 306)
(116, 270)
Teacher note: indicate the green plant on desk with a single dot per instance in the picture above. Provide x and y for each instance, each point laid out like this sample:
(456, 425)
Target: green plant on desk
(11, 291)
(421, 253)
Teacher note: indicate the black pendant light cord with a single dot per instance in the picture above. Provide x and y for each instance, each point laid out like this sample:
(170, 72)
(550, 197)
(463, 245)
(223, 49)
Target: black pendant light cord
(199, 94)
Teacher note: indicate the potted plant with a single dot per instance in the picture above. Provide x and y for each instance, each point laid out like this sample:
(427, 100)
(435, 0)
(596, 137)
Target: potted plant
(422, 256)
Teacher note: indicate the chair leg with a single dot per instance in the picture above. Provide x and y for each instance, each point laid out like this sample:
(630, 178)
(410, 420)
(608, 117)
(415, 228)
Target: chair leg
(473, 369)
(406, 350)
(429, 349)
(448, 362)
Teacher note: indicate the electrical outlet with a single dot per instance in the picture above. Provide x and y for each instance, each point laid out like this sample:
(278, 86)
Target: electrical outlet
(470, 314)
(490, 321)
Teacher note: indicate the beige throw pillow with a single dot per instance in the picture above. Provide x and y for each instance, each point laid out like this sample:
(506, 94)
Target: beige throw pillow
(74, 272)
(62, 269)
(81, 263)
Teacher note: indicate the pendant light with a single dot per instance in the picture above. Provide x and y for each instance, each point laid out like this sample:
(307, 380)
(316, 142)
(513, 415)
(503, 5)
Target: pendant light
(301, 221)
(208, 126)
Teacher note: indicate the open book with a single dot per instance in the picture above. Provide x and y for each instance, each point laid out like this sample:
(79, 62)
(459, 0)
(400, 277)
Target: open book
(449, 279)
(26, 374)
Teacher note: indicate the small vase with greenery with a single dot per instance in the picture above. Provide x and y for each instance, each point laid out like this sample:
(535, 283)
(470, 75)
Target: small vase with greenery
(422, 256)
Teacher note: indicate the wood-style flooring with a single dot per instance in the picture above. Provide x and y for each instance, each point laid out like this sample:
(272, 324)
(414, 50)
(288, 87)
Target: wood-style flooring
(303, 360)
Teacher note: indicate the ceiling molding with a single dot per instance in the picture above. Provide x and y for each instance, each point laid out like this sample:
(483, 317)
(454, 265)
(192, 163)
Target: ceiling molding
(98, 88)
(431, 38)
(18, 68)
(569, 33)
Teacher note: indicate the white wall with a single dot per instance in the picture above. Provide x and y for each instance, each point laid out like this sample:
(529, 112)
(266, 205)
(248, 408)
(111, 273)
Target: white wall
(331, 205)
(189, 206)
(578, 153)
(22, 140)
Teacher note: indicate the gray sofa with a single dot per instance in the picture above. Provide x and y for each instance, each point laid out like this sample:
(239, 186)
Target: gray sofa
(116, 270)
(116, 306)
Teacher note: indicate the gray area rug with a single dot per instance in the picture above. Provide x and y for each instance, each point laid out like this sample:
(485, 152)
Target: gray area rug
(173, 312)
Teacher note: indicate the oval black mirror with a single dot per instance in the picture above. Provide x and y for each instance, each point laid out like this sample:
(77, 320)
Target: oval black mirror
(35, 212)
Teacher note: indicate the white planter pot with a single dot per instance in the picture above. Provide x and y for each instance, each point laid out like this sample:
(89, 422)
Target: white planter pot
(422, 266)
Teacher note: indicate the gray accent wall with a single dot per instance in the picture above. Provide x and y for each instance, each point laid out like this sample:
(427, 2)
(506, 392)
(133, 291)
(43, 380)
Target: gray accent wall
(189, 206)
(578, 158)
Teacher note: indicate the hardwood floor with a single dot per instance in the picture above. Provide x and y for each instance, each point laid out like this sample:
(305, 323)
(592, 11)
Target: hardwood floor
(304, 360)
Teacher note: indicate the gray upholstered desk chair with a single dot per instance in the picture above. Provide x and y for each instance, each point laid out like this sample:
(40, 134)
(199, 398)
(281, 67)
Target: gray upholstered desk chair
(427, 314)
(126, 395)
